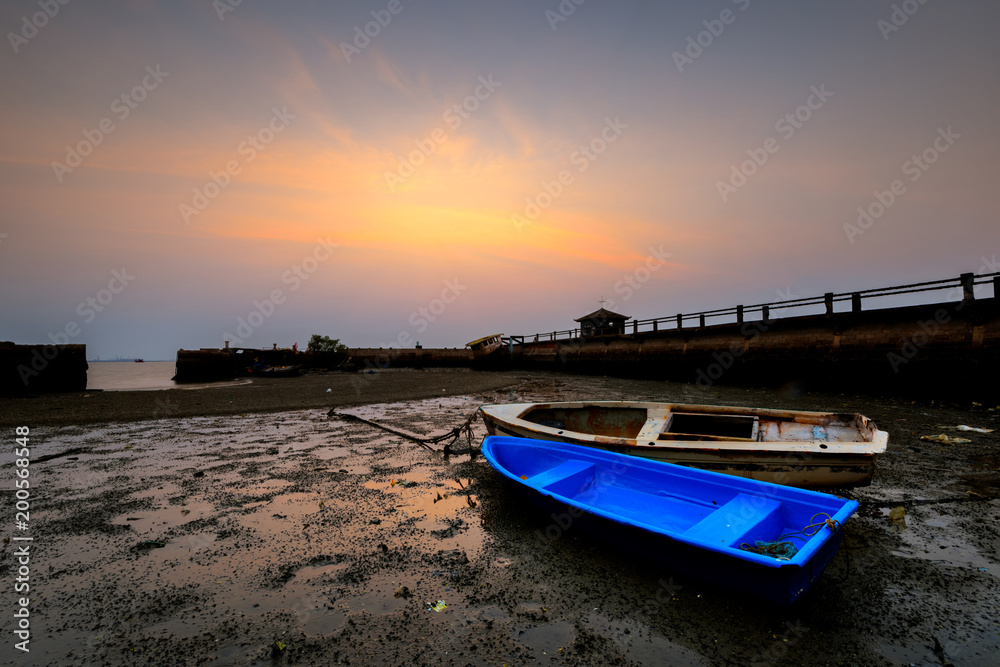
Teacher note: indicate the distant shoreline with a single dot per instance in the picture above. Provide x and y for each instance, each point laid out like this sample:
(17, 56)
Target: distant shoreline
(306, 392)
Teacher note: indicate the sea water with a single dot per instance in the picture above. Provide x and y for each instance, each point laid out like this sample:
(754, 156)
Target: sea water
(144, 376)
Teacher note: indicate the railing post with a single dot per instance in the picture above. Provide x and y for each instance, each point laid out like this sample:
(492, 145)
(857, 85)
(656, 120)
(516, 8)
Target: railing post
(996, 287)
(739, 314)
(701, 320)
(855, 303)
(968, 293)
(635, 327)
(680, 321)
(765, 313)
(655, 323)
(828, 300)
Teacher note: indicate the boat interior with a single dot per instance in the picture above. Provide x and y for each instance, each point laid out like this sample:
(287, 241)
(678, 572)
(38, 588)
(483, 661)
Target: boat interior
(713, 513)
(650, 426)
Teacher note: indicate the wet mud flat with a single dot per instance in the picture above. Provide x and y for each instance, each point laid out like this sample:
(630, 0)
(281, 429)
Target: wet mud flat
(296, 538)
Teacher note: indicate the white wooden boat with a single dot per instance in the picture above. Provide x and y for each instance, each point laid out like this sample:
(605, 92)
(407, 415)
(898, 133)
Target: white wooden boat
(791, 447)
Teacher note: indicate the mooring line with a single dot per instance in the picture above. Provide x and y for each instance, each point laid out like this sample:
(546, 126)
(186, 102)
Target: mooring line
(423, 442)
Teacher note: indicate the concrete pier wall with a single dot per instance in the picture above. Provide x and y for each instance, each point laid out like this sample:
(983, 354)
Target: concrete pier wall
(369, 357)
(42, 368)
(920, 348)
(946, 349)
(218, 364)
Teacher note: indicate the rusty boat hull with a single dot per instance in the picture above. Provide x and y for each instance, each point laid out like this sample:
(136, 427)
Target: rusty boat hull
(813, 450)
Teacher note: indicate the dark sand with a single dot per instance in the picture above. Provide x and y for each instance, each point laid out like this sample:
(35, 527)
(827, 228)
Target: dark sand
(261, 395)
(286, 526)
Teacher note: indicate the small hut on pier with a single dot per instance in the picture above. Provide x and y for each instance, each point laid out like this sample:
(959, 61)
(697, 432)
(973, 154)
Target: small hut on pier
(602, 322)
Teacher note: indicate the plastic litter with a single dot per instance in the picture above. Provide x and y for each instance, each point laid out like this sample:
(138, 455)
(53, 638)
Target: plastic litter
(440, 606)
(948, 440)
(897, 513)
(963, 427)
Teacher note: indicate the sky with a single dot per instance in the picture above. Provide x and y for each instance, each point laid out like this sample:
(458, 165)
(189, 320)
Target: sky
(176, 174)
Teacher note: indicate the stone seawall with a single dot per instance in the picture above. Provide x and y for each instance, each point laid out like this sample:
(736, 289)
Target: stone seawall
(951, 347)
(42, 368)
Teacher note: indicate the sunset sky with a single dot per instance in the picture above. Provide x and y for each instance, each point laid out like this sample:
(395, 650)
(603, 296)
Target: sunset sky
(434, 171)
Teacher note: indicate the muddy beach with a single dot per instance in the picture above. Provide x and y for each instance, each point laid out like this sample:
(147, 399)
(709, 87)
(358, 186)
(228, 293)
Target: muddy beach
(265, 532)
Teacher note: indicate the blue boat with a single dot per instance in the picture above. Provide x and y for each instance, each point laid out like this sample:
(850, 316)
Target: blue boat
(767, 540)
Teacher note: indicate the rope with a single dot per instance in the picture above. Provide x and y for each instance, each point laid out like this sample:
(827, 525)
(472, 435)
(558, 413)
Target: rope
(776, 549)
(782, 548)
(829, 522)
(426, 443)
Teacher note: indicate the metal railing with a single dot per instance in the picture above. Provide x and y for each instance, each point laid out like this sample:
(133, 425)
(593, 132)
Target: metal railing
(966, 283)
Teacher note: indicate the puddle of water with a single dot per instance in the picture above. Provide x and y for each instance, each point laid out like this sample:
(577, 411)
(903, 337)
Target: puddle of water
(144, 523)
(264, 488)
(441, 507)
(284, 513)
(932, 536)
(548, 638)
(167, 489)
(975, 651)
(329, 452)
(326, 571)
(641, 644)
(461, 406)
